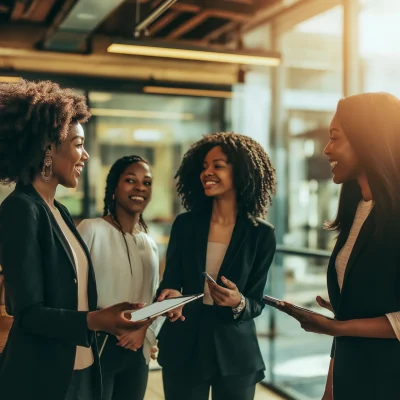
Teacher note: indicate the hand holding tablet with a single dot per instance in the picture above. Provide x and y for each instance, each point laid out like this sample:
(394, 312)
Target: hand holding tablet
(279, 304)
(161, 307)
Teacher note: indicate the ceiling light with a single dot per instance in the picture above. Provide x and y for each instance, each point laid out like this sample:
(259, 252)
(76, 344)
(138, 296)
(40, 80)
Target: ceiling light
(8, 75)
(109, 112)
(100, 97)
(147, 135)
(187, 92)
(203, 54)
(9, 79)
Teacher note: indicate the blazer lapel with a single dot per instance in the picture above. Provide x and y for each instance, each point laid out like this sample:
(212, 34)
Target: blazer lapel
(58, 232)
(332, 278)
(364, 236)
(239, 235)
(201, 242)
(31, 191)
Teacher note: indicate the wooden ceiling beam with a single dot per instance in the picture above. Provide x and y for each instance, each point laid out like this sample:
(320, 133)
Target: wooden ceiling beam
(162, 22)
(226, 14)
(39, 10)
(188, 25)
(219, 32)
(186, 7)
(18, 11)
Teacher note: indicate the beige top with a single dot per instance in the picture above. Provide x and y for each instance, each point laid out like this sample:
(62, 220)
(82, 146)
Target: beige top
(215, 255)
(363, 210)
(84, 356)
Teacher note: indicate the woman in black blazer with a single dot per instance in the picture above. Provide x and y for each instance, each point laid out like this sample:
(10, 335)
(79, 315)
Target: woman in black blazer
(51, 352)
(225, 182)
(364, 269)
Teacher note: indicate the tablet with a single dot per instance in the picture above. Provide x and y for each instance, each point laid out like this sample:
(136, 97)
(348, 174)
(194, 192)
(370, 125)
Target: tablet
(273, 302)
(161, 307)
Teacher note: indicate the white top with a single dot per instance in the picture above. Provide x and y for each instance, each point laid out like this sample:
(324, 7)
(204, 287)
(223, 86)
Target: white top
(84, 355)
(115, 281)
(215, 255)
(363, 210)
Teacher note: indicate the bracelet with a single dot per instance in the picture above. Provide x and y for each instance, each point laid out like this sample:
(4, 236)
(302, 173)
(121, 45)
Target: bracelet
(241, 305)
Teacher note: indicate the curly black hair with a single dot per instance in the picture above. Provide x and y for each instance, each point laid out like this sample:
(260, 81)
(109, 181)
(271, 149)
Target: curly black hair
(253, 173)
(112, 182)
(32, 115)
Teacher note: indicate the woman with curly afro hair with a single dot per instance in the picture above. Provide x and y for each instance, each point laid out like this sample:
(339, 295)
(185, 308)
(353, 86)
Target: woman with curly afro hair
(226, 182)
(51, 351)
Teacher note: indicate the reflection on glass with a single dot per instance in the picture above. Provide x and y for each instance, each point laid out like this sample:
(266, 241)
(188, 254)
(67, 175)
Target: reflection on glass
(298, 361)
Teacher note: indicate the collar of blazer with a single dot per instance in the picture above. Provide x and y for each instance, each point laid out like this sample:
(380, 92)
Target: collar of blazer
(31, 192)
(202, 228)
(336, 296)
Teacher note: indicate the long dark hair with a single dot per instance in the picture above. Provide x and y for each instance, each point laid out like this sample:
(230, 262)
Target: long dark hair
(371, 123)
(111, 184)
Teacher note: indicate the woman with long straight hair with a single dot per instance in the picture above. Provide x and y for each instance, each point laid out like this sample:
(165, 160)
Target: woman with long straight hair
(126, 264)
(364, 269)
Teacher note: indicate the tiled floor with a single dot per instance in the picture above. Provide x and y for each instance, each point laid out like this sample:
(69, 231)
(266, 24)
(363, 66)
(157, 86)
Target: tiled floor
(155, 390)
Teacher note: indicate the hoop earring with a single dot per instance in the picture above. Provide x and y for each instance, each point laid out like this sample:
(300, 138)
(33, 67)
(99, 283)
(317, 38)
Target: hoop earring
(47, 164)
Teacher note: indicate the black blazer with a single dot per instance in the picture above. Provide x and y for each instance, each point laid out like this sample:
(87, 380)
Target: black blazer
(41, 294)
(246, 263)
(367, 369)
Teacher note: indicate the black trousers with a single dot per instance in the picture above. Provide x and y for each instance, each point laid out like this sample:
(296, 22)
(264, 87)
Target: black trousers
(178, 387)
(124, 372)
(81, 385)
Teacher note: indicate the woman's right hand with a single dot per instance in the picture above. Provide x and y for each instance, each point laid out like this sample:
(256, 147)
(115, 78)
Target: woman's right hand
(324, 303)
(176, 313)
(114, 321)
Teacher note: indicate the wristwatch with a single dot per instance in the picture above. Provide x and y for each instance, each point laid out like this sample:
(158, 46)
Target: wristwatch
(241, 305)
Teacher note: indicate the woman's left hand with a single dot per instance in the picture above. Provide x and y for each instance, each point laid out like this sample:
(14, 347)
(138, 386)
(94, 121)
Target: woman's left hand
(311, 322)
(154, 352)
(228, 297)
(133, 340)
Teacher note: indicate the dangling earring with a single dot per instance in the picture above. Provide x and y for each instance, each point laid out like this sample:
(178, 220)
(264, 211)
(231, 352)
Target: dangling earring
(47, 163)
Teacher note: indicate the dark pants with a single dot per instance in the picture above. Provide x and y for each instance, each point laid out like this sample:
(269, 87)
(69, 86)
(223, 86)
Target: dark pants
(81, 385)
(124, 372)
(181, 387)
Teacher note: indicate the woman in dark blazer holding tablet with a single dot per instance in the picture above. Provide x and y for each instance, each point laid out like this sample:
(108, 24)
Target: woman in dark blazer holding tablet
(364, 269)
(226, 182)
(51, 351)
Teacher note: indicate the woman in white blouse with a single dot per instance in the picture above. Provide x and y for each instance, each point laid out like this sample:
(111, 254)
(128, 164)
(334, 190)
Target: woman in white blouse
(126, 264)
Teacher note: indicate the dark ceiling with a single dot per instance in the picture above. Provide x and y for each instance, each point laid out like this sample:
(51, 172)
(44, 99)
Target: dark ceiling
(196, 21)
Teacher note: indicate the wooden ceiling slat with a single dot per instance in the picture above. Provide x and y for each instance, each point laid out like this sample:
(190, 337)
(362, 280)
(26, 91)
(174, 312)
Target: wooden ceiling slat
(184, 7)
(213, 35)
(188, 26)
(18, 11)
(226, 14)
(163, 22)
(39, 10)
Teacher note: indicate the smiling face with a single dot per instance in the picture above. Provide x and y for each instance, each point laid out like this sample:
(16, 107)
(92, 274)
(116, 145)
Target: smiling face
(133, 192)
(217, 174)
(342, 158)
(69, 157)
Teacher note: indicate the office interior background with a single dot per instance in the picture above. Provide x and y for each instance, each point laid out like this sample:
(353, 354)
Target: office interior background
(157, 107)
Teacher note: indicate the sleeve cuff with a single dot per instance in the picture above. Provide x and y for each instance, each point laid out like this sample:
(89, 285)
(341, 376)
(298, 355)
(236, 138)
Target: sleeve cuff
(394, 319)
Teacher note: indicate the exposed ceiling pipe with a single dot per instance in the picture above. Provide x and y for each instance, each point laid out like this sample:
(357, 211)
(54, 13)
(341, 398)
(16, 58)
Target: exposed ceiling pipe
(158, 11)
(85, 16)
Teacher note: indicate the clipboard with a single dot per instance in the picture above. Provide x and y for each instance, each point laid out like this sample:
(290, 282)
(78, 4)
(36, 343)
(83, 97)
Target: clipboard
(161, 307)
(273, 302)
